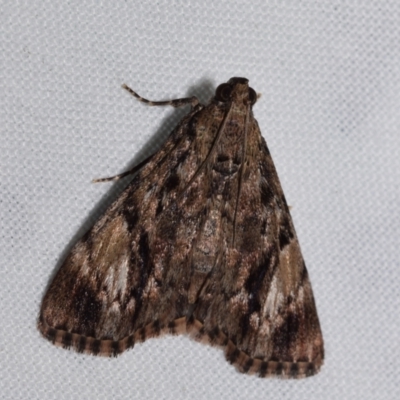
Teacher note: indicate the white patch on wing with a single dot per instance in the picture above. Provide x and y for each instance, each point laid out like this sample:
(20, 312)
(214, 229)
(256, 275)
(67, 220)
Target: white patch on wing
(116, 277)
(274, 299)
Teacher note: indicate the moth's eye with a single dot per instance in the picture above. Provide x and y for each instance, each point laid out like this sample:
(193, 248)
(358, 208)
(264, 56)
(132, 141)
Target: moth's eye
(252, 96)
(223, 92)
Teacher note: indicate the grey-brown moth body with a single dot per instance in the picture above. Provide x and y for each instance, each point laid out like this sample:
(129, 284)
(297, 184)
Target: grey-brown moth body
(200, 242)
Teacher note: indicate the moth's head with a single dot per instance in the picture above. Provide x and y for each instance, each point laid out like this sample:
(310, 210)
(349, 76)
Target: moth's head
(236, 90)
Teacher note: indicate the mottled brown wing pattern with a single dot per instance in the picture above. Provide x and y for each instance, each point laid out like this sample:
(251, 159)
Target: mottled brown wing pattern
(201, 242)
(257, 299)
(112, 285)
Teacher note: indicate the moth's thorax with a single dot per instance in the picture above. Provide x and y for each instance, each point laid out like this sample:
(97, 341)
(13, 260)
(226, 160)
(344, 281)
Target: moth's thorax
(240, 99)
(226, 123)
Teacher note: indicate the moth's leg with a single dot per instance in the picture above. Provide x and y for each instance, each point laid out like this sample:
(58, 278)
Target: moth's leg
(126, 173)
(192, 101)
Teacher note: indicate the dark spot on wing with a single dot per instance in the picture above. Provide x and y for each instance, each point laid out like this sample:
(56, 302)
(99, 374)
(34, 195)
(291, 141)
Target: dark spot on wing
(156, 327)
(232, 357)
(131, 342)
(130, 210)
(248, 365)
(263, 369)
(131, 217)
(182, 157)
(285, 232)
(213, 333)
(304, 274)
(263, 146)
(96, 345)
(145, 267)
(87, 309)
(51, 334)
(159, 207)
(192, 127)
(285, 337)
(172, 326)
(267, 195)
(115, 348)
(172, 182)
(310, 369)
(225, 165)
(285, 206)
(284, 239)
(254, 283)
(67, 340)
(263, 227)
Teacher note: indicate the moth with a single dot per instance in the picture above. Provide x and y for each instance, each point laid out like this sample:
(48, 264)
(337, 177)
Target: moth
(201, 242)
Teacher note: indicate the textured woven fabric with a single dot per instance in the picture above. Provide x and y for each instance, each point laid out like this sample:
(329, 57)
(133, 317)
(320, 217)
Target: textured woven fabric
(329, 74)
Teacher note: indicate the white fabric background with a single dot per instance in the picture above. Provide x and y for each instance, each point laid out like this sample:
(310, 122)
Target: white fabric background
(329, 74)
